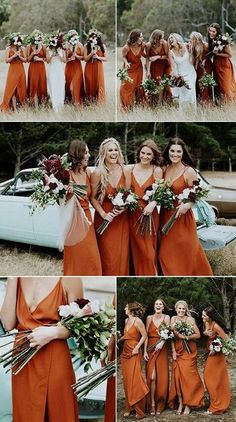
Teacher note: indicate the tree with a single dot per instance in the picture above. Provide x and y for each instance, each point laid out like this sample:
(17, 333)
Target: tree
(5, 11)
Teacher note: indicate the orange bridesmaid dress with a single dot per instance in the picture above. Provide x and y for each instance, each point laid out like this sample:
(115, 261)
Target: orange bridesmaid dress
(74, 78)
(94, 79)
(110, 405)
(217, 380)
(15, 83)
(113, 244)
(143, 248)
(37, 81)
(42, 390)
(185, 379)
(135, 386)
(223, 72)
(158, 361)
(205, 94)
(131, 92)
(83, 258)
(180, 250)
(160, 68)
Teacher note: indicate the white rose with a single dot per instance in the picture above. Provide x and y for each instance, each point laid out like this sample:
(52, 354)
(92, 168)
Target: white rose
(74, 309)
(64, 311)
(145, 198)
(118, 202)
(130, 199)
(95, 306)
(217, 348)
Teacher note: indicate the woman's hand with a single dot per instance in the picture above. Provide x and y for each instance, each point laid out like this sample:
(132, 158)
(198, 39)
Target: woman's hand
(41, 336)
(181, 336)
(212, 353)
(146, 356)
(174, 355)
(109, 216)
(135, 351)
(208, 333)
(127, 65)
(182, 209)
(154, 58)
(148, 210)
(159, 345)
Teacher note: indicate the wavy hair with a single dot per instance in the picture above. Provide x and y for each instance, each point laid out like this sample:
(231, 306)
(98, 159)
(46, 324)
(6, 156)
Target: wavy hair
(156, 36)
(136, 309)
(187, 159)
(178, 38)
(101, 164)
(216, 317)
(133, 36)
(197, 49)
(150, 143)
(76, 152)
(218, 32)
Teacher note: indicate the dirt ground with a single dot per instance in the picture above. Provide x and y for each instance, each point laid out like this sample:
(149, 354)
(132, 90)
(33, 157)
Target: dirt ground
(195, 416)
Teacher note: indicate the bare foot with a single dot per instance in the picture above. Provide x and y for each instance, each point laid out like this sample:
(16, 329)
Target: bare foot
(187, 410)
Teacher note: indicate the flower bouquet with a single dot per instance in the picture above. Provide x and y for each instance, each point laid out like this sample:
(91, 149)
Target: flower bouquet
(16, 39)
(193, 194)
(54, 40)
(150, 86)
(207, 81)
(227, 347)
(91, 326)
(53, 182)
(35, 38)
(72, 38)
(123, 199)
(165, 332)
(123, 75)
(185, 329)
(177, 81)
(219, 43)
(160, 192)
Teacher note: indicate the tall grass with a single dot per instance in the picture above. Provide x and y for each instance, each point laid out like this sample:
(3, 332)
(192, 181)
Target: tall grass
(94, 112)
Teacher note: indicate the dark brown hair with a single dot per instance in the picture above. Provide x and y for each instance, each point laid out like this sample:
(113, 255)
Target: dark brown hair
(149, 143)
(134, 36)
(213, 314)
(187, 159)
(163, 302)
(76, 152)
(219, 32)
(136, 309)
(156, 36)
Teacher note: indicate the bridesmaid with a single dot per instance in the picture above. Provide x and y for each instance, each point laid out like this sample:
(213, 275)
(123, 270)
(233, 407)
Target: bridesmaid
(223, 70)
(218, 385)
(15, 88)
(42, 389)
(132, 92)
(94, 55)
(82, 258)
(182, 240)
(186, 390)
(135, 386)
(110, 404)
(198, 51)
(73, 71)
(157, 360)
(141, 176)
(36, 56)
(106, 178)
(158, 65)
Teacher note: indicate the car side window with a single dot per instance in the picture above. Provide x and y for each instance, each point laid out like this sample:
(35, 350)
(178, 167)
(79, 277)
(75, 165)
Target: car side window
(23, 185)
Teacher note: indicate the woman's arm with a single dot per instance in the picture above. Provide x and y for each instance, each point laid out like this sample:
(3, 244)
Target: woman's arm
(190, 176)
(95, 182)
(30, 55)
(87, 56)
(8, 310)
(81, 56)
(140, 326)
(9, 59)
(158, 174)
(174, 356)
(196, 334)
(172, 63)
(227, 52)
(23, 57)
(102, 58)
(146, 357)
(221, 333)
(125, 51)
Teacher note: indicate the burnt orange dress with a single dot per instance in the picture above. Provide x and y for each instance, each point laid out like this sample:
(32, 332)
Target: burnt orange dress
(15, 83)
(158, 361)
(94, 79)
(223, 72)
(113, 244)
(42, 390)
(135, 386)
(132, 92)
(159, 68)
(204, 95)
(180, 250)
(185, 379)
(74, 79)
(217, 380)
(83, 258)
(37, 81)
(110, 405)
(143, 248)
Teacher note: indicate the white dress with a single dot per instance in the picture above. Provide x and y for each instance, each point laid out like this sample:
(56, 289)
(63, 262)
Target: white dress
(185, 68)
(56, 81)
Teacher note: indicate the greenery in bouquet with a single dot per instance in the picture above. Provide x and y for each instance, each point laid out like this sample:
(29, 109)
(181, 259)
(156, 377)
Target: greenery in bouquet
(207, 81)
(15, 38)
(35, 38)
(165, 332)
(91, 326)
(227, 346)
(123, 75)
(186, 330)
(150, 86)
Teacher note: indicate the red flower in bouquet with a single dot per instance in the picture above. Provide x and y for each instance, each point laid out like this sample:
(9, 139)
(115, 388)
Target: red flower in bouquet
(82, 302)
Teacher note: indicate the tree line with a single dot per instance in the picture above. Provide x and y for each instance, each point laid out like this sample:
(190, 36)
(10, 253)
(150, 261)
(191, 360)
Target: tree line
(23, 144)
(50, 15)
(182, 16)
(198, 292)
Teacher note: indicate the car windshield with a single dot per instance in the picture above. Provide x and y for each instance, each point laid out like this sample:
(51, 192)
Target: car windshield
(23, 185)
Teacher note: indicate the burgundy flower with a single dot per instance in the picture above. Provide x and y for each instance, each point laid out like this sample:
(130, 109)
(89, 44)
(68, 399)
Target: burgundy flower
(192, 196)
(196, 182)
(82, 302)
(52, 186)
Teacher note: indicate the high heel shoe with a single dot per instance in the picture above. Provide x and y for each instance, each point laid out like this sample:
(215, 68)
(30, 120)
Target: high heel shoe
(126, 414)
(152, 410)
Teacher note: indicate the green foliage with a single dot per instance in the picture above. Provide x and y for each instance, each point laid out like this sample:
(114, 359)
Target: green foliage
(5, 10)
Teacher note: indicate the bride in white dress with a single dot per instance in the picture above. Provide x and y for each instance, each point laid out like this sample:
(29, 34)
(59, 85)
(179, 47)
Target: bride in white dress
(56, 77)
(181, 65)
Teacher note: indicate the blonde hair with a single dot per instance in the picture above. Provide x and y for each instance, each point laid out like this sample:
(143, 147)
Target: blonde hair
(179, 39)
(196, 50)
(182, 302)
(101, 164)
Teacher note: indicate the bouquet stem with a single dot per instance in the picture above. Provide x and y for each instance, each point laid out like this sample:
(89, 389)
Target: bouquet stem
(166, 228)
(145, 225)
(186, 345)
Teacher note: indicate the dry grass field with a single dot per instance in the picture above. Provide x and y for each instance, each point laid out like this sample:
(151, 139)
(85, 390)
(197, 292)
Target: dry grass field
(95, 113)
(225, 113)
